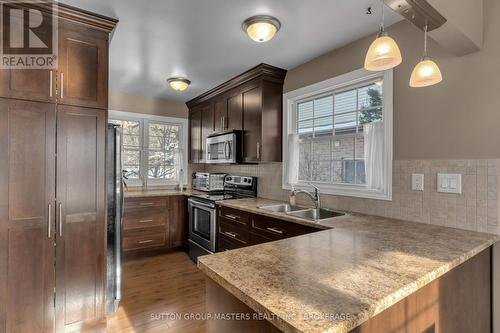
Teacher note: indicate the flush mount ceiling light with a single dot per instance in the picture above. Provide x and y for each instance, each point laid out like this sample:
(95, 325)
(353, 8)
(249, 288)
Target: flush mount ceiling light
(178, 83)
(383, 53)
(426, 72)
(261, 28)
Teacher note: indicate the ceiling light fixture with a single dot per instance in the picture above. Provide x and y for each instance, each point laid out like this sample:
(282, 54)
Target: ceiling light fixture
(384, 52)
(178, 83)
(261, 28)
(426, 72)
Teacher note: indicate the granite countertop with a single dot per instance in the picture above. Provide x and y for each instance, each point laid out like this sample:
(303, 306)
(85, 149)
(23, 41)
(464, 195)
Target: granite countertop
(156, 193)
(334, 280)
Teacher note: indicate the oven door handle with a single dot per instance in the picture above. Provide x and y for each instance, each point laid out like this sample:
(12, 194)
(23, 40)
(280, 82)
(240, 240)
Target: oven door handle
(226, 150)
(197, 203)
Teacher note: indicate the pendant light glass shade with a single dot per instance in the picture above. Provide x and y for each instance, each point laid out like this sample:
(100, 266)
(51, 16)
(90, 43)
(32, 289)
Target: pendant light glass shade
(261, 28)
(178, 83)
(426, 72)
(383, 54)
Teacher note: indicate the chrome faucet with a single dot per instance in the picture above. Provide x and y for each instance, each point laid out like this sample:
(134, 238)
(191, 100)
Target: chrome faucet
(315, 196)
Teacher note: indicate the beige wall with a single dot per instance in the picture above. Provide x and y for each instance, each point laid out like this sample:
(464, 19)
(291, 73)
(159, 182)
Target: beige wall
(148, 105)
(456, 119)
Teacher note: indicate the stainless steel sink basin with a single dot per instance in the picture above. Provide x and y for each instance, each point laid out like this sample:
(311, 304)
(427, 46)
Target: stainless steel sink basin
(316, 214)
(282, 208)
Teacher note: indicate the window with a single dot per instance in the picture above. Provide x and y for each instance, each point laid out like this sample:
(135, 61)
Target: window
(342, 135)
(153, 148)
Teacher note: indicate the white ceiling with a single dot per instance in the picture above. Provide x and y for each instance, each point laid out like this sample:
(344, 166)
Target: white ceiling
(203, 40)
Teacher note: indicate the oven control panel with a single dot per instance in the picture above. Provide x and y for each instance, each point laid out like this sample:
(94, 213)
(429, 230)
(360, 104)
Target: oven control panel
(239, 180)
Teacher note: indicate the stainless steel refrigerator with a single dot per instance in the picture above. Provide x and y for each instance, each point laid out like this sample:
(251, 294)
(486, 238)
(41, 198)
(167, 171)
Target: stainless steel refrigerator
(115, 217)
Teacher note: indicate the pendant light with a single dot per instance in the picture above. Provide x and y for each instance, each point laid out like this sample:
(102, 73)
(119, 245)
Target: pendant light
(426, 72)
(383, 53)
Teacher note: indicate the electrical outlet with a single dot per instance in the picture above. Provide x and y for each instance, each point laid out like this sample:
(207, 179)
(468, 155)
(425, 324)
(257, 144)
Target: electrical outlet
(449, 183)
(417, 182)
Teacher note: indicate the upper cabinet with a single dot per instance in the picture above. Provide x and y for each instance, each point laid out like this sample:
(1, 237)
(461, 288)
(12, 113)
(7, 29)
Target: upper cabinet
(83, 66)
(81, 78)
(251, 102)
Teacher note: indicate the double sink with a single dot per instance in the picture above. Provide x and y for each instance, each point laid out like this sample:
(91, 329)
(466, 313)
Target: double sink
(311, 214)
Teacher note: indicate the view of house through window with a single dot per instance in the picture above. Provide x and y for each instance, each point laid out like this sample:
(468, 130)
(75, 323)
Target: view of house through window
(331, 131)
(150, 150)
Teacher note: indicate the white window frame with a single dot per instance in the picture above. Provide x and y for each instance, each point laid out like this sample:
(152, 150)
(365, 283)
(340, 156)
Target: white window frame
(144, 120)
(337, 83)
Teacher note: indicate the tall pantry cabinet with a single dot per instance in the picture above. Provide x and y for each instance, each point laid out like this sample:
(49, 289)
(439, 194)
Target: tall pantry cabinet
(52, 183)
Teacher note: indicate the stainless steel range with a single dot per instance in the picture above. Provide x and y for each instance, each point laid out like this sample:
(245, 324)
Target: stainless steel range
(203, 226)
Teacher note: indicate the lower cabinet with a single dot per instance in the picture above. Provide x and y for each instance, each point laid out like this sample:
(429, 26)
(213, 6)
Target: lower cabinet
(154, 223)
(239, 229)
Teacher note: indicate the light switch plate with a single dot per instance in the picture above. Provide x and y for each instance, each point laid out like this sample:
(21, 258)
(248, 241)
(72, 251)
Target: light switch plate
(417, 182)
(449, 183)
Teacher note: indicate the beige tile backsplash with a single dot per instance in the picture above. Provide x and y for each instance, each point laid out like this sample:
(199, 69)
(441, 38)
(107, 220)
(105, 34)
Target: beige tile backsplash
(475, 209)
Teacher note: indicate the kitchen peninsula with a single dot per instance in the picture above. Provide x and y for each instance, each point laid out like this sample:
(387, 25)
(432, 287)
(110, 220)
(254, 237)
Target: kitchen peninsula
(364, 274)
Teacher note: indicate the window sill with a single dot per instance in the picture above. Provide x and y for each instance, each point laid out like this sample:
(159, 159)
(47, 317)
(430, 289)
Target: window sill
(346, 190)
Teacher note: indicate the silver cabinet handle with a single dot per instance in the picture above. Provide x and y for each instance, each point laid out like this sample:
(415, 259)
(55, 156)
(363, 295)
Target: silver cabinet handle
(222, 122)
(234, 217)
(145, 221)
(60, 221)
(258, 150)
(275, 230)
(231, 234)
(145, 203)
(51, 83)
(62, 85)
(49, 226)
(146, 241)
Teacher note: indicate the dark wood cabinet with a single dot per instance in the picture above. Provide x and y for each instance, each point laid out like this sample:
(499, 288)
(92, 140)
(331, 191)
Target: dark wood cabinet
(252, 120)
(235, 112)
(178, 221)
(154, 223)
(207, 128)
(27, 215)
(195, 136)
(238, 229)
(52, 184)
(80, 226)
(251, 102)
(220, 114)
(83, 66)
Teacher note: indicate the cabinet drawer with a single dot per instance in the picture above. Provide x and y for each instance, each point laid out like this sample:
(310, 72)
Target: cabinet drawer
(235, 216)
(226, 244)
(143, 242)
(254, 239)
(238, 234)
(138, 203)
(144, 231)
(279, 229)
(144, 218)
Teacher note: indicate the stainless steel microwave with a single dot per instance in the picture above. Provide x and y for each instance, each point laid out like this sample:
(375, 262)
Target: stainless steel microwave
(224, 148)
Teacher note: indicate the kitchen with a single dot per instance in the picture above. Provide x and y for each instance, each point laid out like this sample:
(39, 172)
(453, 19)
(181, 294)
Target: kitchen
(191, 166)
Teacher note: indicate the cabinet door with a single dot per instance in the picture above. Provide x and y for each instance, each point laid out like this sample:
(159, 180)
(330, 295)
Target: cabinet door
(207, 128)
(252, 125)
(178, 221)
(220, 115)
(27, 190)
(83, 66)
(235, 112)
(195, 136)
(80, 221)
(28, 84)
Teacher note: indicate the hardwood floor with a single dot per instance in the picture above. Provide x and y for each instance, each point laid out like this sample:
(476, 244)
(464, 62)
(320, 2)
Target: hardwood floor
(154, 290)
